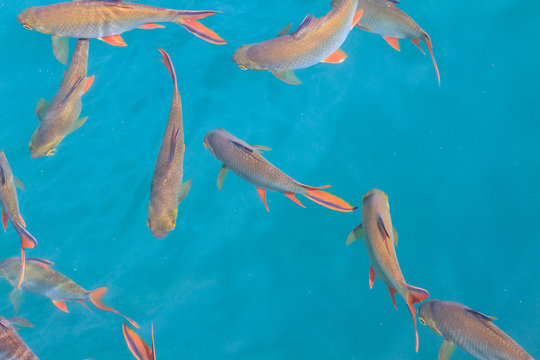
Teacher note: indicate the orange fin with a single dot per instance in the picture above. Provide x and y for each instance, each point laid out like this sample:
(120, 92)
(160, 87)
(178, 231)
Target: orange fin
(168, 64)
(4, 219)
(427, 40)
(22, 221)
(115, 40)
(417, 43)
(414, 296)
(61, 305)
(95, 299)
(357, 18)
(394, 42)
(392, 293)
(27, 240)
(262, 194)
(88, 83)
(187, 19)
(371, 277)
(291, 196)
(150, 25)
(82, 302)
(23, 266)
(136, 345)
(330, 201)
(337, 57)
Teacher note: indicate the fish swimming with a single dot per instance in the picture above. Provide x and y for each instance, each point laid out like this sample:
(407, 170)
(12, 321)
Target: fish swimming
(137, 346)
(60, 117)
(384, 18)
(42, 279)
(106, 20)
(472, 331)
(247, 162)
(316, 40)
(10, 209)
(380, 237)
(12, 347)
(167, 190)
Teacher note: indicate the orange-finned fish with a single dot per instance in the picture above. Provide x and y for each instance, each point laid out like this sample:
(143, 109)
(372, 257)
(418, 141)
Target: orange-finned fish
(12, 347)
(316, 40)
(247, 162)
(10, 210)
(472, 331)
(42, 279)
(137, 346)
(380, 237)
(384, 18)
(106, 20)
(60, 117)
(167, 190)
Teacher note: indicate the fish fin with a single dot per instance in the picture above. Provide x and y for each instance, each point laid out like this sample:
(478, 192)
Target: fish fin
(184, 189)
(166, 60)
(187, 19)
(84, 304)
(115, 40)
(72, 90)
(356, 234)
(41, 108)
(357, 17)
(245, 148)
(481, 316)
(61, 305)
(261, 148)
(364, 28)
(394, 232)
(4, 220)
(95, 298)
(16, 298)
(446, 350)
(23, 266)
(21, 322)
(262, 194)
(22, 220)
(285, 30)
(330, 201)
(394, 42)
(417, 43)
(136, 344)
(174, 140)
(42, 261)
(291, 196)
(3, 179)
(337, 57)
(309, 24)
(414, 296)
(371, 277)
(151, 25)
(288, 76)
(61, 48)
(392, 293)
(18, 183)
(427, 40)
(221, 176)
(87, 83)
(27, 240)
(153, 343)
(78, 123)
(384, 232)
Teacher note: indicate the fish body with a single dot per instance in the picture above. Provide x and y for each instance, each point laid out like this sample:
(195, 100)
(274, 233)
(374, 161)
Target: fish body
(12, 347)
(167, 190)
(380, 238)
(61, 116)
(248, 163)
(315, 40)
(472, 331)
(138, 347)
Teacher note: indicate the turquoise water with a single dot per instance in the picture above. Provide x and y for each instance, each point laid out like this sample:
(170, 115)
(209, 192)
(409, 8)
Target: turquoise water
(460, 165)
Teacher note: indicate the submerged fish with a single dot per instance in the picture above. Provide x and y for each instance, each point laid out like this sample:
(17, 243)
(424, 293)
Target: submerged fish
(316, 40)
(12, 347)
(42, 279)
(380, 237)
(472, 331)
(167, 190)
(10, 209)
(247, 162)
(384, 18)
(106, 20)
(60, 117)
(137, 346)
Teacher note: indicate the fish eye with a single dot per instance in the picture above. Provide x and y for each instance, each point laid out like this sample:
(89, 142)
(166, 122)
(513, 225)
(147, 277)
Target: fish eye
(27, 27)
(242, 67)
(422, 321)
(173, 225)
(51, 152)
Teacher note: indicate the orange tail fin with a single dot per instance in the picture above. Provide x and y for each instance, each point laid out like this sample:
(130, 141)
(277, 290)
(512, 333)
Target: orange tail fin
(326, 199)
(168, 64)
(427, 40)
(414, 296)
(137, 346)
(95, 298)
(188, 19)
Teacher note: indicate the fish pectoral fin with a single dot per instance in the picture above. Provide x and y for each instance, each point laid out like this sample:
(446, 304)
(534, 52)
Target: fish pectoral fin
(184, 189)
(337, 57)
(261, 148)
(18, 183)
(356, 234)
(357, 17)
(285, 30)
(61, 48)
(446, 350)
(16, 298)
(481, 316)
(21, 322)
(78, 123)
(394, 42)
(262, 194)
(41, 108)
(61, 305)
(287, 76)
(115, 40)
(221, 176)
(150, 25)
(87, 83)
(4, 219)
(395, 235)
(371, 277)
(364, 28)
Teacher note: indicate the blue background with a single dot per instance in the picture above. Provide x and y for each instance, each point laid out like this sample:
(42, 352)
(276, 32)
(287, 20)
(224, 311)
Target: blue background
(460, 164)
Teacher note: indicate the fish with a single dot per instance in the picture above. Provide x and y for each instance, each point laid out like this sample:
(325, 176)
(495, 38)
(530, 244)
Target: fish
(167, 189)
(12, 347)
(471, 330)
(106, 20)
(384, 18)
(60, 117)
(380, 238)
(248, 163)
(42, 279)
(315, 40)
(137, 346)
(10, 210)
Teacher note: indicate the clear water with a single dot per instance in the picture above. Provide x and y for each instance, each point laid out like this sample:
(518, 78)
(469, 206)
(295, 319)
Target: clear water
(460, 164)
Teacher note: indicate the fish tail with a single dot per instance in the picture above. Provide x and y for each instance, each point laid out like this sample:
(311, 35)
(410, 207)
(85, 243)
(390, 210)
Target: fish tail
(427, 40)
(168, 64)
(414, 296)
(95, 299)
(136, 345)
(188, 20)
(326, 199)
(27, 240)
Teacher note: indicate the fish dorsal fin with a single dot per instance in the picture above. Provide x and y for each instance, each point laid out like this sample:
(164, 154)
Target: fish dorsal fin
(72, 90)
(309, 23)
(41, 108)
(2, 175)
(481, 316)
(41, 261)
(382, 227)
(174, 140)
(285, 30)
(244, 148)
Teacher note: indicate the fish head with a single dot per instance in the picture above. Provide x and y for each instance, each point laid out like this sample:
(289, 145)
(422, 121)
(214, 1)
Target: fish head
(426, 317)
(242, 59)
(161, 222)
(29, 19)
(375, 195)
(43, 144)
(214, 139)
